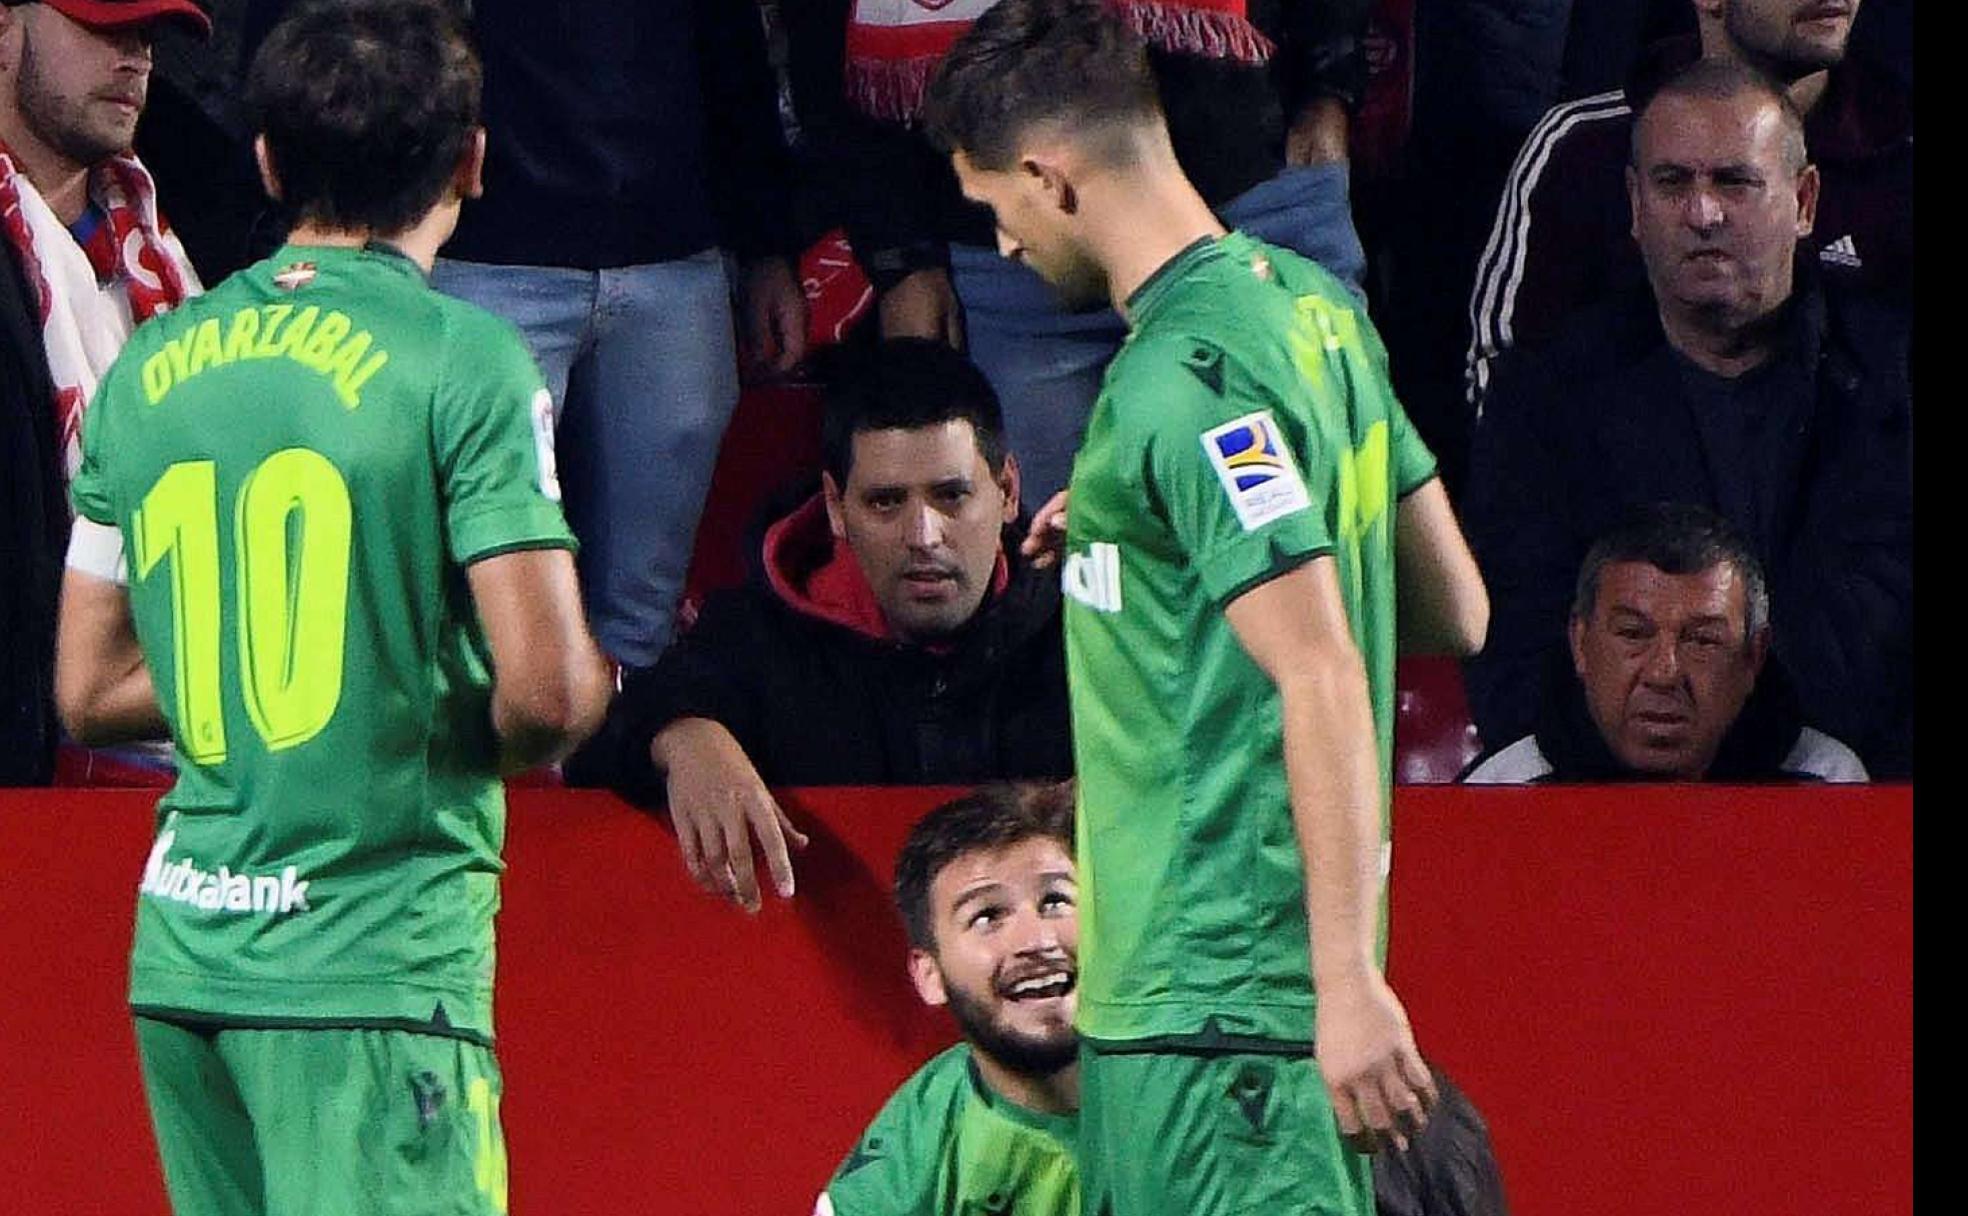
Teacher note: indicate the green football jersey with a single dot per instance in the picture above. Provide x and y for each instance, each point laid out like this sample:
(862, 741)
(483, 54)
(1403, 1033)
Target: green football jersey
(1246, 427)
(945, 1145)
(302, 463)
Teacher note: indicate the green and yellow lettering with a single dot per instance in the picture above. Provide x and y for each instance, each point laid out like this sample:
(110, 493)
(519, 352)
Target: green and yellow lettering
(296, 334)
(320, 348)
(269, 344)
(156, 377)
(350, 387)
(342, 367)
(239, 339)
(179, 349)
(207, 349)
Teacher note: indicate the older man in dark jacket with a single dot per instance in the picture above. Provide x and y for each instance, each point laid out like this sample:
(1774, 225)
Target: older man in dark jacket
(890, 634)
(1742, 382)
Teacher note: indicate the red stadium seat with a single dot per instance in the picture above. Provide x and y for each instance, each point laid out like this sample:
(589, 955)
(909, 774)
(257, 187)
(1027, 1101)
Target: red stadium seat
(774, 435)
(1434, 740)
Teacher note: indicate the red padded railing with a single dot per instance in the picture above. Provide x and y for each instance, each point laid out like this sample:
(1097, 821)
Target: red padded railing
(1692, 1000)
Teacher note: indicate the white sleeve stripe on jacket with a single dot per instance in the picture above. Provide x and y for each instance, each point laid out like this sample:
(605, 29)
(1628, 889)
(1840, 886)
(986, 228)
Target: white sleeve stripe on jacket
(1493, 299)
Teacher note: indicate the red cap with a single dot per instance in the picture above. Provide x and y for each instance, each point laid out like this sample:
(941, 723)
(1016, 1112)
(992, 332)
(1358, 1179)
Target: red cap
(118, 14)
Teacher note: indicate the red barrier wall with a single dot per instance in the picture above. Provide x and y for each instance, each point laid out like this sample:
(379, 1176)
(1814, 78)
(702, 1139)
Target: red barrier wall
(1691, 1001)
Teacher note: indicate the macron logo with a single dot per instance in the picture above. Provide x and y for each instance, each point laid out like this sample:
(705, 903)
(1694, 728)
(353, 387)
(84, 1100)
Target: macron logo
(182, 881)
(1094, 577)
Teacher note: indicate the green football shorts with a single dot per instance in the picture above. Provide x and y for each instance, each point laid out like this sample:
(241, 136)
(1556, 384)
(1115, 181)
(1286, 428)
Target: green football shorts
(328, 1122)
(1213, 1134)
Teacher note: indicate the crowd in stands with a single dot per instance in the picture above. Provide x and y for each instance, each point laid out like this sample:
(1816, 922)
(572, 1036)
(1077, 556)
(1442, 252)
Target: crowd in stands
(1692, 286)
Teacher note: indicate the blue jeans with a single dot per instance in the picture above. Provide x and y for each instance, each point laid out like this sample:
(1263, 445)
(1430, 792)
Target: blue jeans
(642, 365)
(1046, 364)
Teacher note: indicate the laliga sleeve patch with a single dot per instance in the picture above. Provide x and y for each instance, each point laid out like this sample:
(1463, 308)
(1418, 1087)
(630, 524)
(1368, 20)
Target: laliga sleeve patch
(1256, 469)
(543, 444)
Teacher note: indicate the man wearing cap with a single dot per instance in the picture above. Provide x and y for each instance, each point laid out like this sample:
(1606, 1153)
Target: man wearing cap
(84, 259)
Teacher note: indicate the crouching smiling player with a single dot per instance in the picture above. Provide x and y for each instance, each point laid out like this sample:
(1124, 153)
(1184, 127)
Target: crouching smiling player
(985, 886)
(319, 538)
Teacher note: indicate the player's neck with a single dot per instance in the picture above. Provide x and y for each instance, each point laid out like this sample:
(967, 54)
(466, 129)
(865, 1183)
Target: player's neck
(419, 242)
(1054, 1094)
(1155, 213)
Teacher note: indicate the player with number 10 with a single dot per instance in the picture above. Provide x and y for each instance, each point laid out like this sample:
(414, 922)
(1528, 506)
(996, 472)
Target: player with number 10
(319, 538)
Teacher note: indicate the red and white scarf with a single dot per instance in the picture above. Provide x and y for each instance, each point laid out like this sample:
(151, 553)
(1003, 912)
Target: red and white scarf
(893, 46)
(91, 305)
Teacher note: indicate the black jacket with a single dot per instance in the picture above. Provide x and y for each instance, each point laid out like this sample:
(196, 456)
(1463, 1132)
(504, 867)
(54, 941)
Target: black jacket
(1603, 419)
(899, 200)
(33, 536)
(817, 701)
(1760, 746)
(624, 133)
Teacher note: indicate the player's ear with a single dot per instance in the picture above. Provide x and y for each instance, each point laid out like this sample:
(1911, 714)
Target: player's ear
(470, 178)
(1050, 174)
(269, 176)
(1008, 482)
(831, 491)
(928, 977)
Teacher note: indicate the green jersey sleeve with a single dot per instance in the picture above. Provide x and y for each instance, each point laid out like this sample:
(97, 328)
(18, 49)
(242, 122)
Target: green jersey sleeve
(1413, 465)
(492, 428)
(89, 492)
(1228, 468)
(892, 1170)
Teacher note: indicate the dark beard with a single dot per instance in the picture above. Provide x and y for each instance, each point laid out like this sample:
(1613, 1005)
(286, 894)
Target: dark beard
(1026, 1054)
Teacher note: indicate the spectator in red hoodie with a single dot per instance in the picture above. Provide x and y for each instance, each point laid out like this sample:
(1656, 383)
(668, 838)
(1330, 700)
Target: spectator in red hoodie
(891, 633)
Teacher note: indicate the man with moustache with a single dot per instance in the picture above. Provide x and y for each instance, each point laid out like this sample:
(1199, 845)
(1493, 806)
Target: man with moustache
(1559, 240)
(985, 885)
(1741, 379)
(84, 258)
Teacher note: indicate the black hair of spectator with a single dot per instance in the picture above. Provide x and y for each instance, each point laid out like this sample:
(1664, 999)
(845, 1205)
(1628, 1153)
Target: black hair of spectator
(1725, 80)
(1449, 1169)
(1076, 63)
(367, 106)
(1676, 538)
(990, 817)
(905, 384)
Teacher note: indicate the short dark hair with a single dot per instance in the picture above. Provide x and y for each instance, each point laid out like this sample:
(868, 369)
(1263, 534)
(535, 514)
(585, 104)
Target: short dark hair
(1449, 1168)
(990, 817)
(907, 384)
(367, 107)
(1026, 62)
(1725, 80)
(1675, 538)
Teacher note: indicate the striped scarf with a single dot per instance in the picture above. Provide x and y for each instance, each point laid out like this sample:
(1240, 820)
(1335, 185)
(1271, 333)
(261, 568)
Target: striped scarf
(82, 326)
(893, 46)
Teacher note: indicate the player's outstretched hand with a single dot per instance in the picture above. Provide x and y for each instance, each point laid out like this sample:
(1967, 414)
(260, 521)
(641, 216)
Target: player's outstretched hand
(720, 807)
(1048, 533)
(1381, 1091)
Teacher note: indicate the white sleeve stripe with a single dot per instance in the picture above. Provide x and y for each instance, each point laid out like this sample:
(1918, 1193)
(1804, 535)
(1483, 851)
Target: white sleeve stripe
(1493, 299)
(1514, 189)
(1529, 167)
(97, 549)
